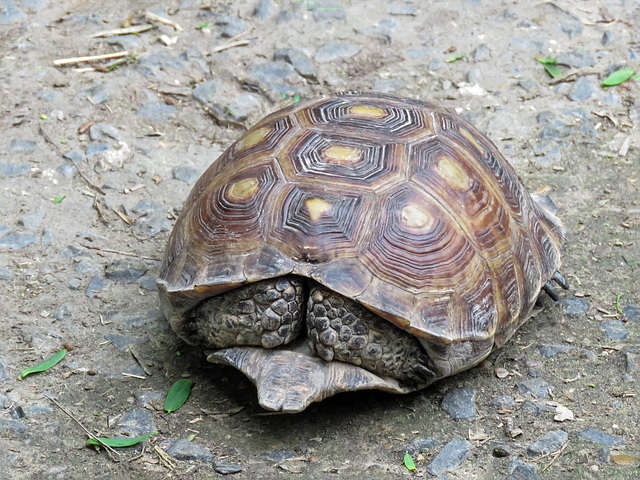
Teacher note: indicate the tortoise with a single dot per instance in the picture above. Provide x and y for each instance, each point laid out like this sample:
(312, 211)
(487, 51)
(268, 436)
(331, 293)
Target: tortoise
(357, 241)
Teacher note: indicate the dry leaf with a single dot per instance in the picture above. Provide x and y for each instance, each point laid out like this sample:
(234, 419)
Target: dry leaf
(562, 414)
(624, 459)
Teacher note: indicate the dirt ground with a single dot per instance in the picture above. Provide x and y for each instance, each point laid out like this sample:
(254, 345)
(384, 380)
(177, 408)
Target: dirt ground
(95, 164)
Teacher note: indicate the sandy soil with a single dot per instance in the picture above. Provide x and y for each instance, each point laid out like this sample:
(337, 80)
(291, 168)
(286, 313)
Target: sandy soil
(87, 211)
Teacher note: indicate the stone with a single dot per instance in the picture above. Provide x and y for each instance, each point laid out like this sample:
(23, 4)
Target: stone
(9, 169)
(21, 145)
(421, 445)
(571, 29)
(631, 313)
(185, 174)
(607, 38)
(502, 451)
(148, 282)
(384, 31)
(183, 449)
(299, 61)
(205, 92)
(37, 409)
(75, 156)
(327, 10)
(436, 64)
(126, 270)
(17, 413)
(4, 374)
(264, 9)
(84, 267)
(522, 471)
(67, 170)
(537, 387)
(74, 284)
(577, 59)
(145, 396)
(157, 113)
(575, 306)
(536, 408)
(614, 329)
(549, 443)
(602, 438)
(228, 26)
(136, 422)
(553, 350)
(332, 51)
(459, 403)
(237, 109)
(5, 274)
(581, 90)
(503, 402)
(480, 53)
(451, 455)
(226, 468)
(278, 455)
(401, 9)
(12, 428)
(95, 285)
(274, 75)
(123, 342)
(102, 129)
(96, 148)
(16, 240)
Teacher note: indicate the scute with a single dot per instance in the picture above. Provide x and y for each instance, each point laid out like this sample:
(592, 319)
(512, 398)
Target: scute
(395, 203)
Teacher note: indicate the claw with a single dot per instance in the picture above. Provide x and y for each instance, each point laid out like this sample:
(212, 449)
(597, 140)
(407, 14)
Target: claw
(559, 279)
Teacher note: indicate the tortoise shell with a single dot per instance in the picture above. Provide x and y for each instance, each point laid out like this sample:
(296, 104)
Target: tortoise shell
(395, 203)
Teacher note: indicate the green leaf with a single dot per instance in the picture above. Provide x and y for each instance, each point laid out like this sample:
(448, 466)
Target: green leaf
(43, 116)
(553, 70)
(408, 462)
(456, 57)
(46, 365)
(177, 395)
(58, 199)
(119, 442)
(192, 436)
(547, 60)
(618, 77)
(295, 98)
(204, 25)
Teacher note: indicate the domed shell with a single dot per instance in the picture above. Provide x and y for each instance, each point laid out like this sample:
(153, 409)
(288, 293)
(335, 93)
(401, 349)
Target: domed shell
(395, 203)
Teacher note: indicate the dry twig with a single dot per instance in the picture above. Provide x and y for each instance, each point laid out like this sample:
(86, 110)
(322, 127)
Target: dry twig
(91, 435)
(107, 56)
(123, 31)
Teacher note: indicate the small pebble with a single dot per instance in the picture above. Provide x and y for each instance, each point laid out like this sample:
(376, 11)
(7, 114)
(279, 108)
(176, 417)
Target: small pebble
(12, 428)
(548, 443)
(226, 468)
(123, 342)
(602, 438)
(8, 169)
(157, 113)
(553, 350)
(575, 306)
(20, 145)
(421, 445)
(126, 270)
(535, 386)
(450, 457)
(576, 59)
(95, 285)
(332, 51)
(519, 470)
(137, 421)
(206, 92)
(459, 403)
(614, 329)
(183, 449)
(16, 241)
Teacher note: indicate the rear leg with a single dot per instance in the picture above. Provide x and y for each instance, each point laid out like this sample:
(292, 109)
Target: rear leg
(341, 329)
(267, 313)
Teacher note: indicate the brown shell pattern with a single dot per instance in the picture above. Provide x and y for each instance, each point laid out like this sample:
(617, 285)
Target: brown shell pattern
(396, 203)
